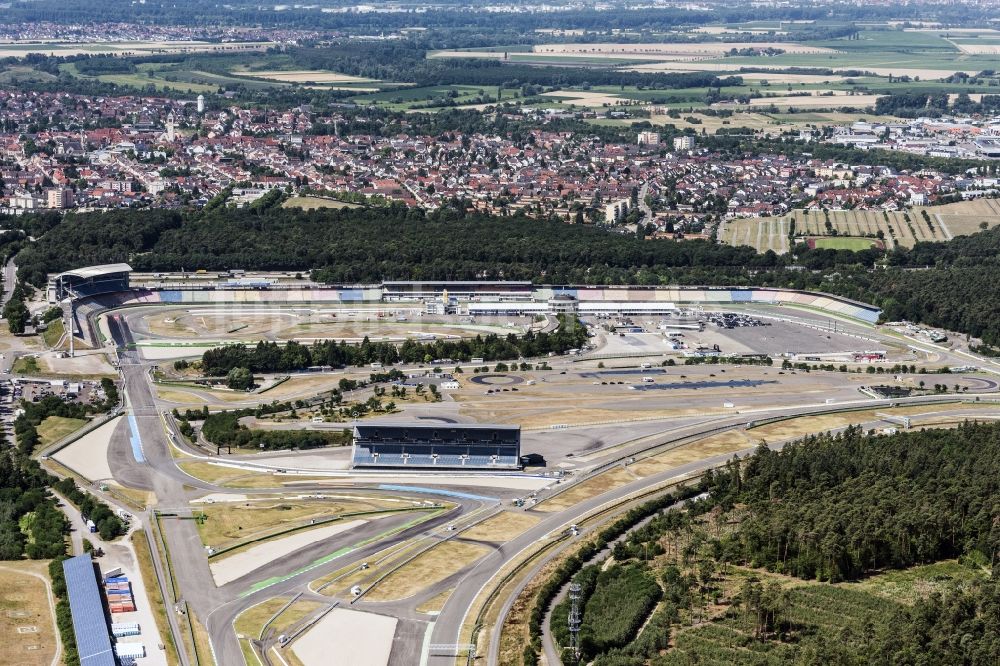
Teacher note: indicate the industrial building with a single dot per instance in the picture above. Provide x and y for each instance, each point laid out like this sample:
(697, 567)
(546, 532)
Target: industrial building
(89, 281)
(437, 446)
(90, 623)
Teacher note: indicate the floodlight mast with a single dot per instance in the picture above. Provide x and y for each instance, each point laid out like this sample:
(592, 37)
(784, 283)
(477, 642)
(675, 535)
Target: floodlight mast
(574, 620)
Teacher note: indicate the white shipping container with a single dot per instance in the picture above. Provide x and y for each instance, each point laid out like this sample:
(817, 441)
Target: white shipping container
(130, 650)
(122, 629)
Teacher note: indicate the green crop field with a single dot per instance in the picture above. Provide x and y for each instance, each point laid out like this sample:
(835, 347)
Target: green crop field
(843, 243)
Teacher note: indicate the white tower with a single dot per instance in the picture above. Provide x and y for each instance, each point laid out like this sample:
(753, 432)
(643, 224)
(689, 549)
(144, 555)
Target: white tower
(201, 104)
(171, 133)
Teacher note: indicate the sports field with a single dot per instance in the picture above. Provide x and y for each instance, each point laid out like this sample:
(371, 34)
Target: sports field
(841, 243)
(314, 203)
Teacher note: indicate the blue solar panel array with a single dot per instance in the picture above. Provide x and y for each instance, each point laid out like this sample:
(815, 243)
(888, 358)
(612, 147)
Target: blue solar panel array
(90, 626)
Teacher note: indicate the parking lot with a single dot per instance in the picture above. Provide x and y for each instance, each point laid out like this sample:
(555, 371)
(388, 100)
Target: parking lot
(33, 390)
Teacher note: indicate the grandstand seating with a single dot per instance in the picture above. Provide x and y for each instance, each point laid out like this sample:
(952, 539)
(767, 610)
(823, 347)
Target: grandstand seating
(443, 446)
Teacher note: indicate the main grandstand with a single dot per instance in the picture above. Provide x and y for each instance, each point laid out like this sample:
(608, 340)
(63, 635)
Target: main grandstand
(437, 446)
(90, 281)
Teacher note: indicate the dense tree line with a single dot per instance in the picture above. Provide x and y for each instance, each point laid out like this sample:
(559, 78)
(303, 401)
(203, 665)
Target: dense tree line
(64, 617)
(451, 18)
(224, 429)
(827, 507)
(292, 356)
(838, 507)
(352, 246)
(623, 597)
(30, 523)
(109, 525)
(406, 61)
(833, 508)
(366, 245)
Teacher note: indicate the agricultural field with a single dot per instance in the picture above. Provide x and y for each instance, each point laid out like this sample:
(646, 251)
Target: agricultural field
(193, 76)
(672, 51)
(902, 228)
(428, 97)
(303, 76)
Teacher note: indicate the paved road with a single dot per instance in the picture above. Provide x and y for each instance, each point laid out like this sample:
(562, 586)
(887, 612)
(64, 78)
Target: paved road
(647, 212)
(218, 607)
(153, 467)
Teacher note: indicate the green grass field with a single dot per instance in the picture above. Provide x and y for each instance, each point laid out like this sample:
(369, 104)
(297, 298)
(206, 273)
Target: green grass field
(55, 428)
(54, 331)
(843, 243)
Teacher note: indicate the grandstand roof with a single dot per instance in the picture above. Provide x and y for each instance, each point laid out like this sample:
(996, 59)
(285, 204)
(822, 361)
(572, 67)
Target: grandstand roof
(98, 271)
(510, 283)
(93, 643)
(439, 426)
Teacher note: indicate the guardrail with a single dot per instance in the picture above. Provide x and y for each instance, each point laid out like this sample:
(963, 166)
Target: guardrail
(671, 444)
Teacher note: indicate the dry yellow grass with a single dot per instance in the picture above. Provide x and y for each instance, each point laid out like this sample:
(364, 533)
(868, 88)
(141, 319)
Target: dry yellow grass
(427, 569)
(202, 642)
(304, 76)
(559, 412)
(598, 485)
(711, 124)
(807, 425)
(352, 574)
(182, 397)
(138, 498)
(148, 573)
(435, 604)
(25, 607)
(978, 49)
(251, 621)
(815, 100)
(501, 527)
(54, 428)
(314, 203)
(231, 477)
(591, 99)
(714, 445)
(961, 218)
(228, 523)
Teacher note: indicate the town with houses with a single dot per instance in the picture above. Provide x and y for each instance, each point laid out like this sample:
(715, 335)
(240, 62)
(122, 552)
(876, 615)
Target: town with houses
(63, 151)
